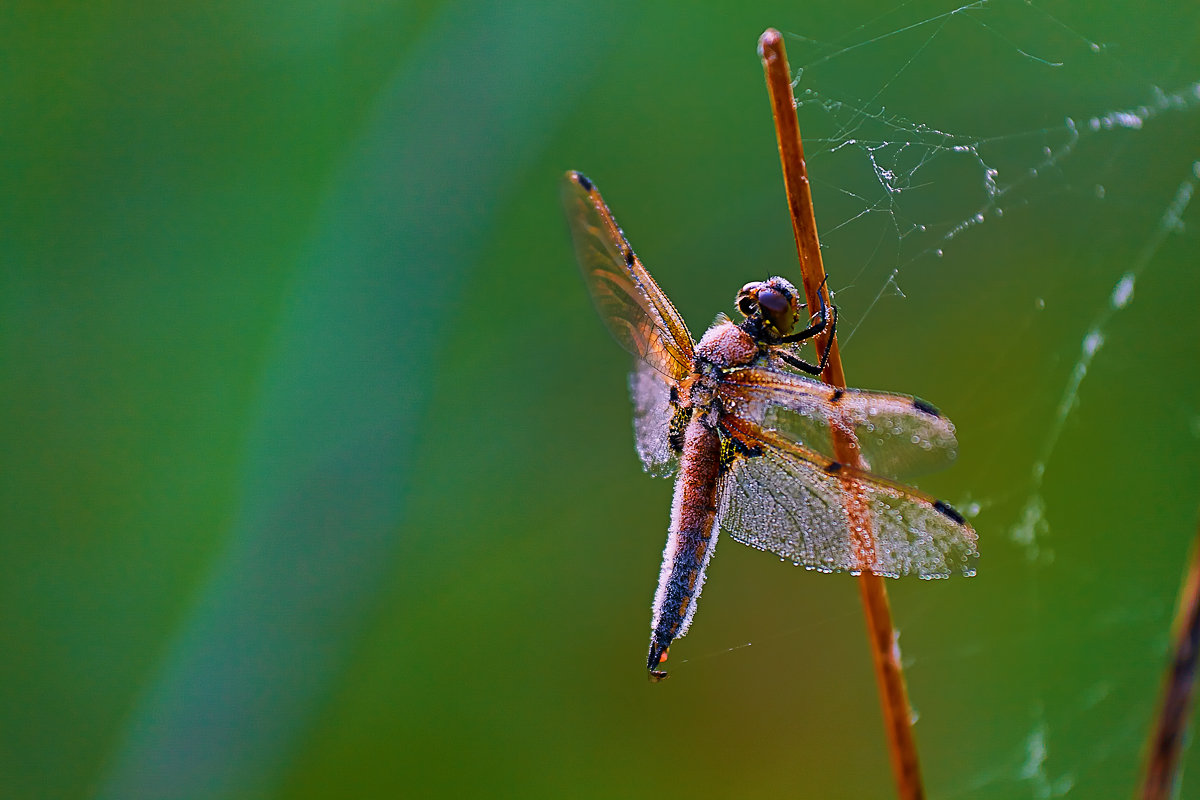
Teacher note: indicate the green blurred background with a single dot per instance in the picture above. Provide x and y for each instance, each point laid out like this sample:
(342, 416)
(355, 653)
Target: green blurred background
(318, 471)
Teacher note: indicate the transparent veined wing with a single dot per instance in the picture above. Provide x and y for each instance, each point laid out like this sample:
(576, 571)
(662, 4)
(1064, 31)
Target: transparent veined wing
(898, 435)
(637, 313)
(781, 497)
(652, 414)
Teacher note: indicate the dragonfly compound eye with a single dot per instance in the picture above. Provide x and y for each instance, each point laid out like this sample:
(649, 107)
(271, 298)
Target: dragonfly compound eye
(747, 301)
(777, 309)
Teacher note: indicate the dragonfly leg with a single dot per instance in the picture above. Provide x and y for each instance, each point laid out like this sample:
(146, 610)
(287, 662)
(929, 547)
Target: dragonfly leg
(801, 364)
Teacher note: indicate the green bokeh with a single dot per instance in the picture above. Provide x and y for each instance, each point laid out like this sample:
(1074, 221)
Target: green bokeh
(318, 474)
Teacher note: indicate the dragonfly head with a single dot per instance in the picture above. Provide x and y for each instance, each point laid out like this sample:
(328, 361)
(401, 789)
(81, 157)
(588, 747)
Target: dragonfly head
(773, 303)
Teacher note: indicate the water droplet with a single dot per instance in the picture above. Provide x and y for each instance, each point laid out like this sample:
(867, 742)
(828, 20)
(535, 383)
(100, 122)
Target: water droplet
(1123, 291)
(1039, 303)
(1099, 192)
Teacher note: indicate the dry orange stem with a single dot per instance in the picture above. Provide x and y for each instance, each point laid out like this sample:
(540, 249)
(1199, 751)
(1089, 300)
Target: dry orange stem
(897, 714)
(1162, 755)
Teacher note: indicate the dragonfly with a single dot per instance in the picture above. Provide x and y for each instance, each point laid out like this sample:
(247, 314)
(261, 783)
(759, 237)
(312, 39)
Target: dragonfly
(747, 431)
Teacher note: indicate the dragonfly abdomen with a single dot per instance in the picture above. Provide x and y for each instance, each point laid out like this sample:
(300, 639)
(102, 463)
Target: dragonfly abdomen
(691, 539)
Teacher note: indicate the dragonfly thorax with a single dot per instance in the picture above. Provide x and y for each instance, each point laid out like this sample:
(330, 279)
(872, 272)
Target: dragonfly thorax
(727, 345)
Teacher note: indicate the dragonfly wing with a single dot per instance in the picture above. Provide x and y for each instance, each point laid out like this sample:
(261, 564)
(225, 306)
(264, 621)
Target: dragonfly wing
(637, 313)
(652, 414)
(784, 498)
(897, 435)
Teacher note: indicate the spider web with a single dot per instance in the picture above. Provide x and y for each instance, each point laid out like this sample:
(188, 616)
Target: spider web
(907, 176)
(1059, 188)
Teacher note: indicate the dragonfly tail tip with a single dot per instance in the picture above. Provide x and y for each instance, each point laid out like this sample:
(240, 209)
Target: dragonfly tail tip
(658, 654)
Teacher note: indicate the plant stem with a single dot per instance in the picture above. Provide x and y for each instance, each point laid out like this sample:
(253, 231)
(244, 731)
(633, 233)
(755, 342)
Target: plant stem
(1162, 756)
(897, 715)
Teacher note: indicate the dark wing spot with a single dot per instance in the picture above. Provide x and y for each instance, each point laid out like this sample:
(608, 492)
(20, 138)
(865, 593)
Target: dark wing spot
(921, 405)
(674, 395)
(949, 512)
(747, 450)
(582, 180)
(837, 395)
(834, 467)
(628, 256)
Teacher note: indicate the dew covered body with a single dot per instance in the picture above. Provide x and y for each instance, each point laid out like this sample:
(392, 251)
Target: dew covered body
(692, 536)
(748, 435)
